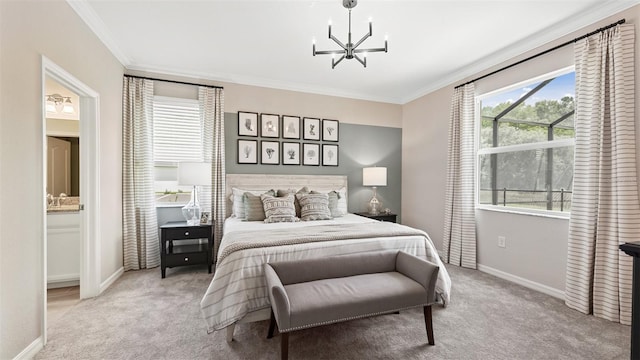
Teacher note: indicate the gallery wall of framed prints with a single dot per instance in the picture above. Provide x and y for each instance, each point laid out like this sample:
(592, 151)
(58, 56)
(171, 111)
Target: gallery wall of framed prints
(272, 139)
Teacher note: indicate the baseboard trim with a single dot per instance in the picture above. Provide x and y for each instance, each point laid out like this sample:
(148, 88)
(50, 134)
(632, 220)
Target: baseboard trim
(105, 284)
(30, 351)
(559, 294)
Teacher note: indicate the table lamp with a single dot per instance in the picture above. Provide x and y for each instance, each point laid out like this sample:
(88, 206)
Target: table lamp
(374, 177)
(195, 174)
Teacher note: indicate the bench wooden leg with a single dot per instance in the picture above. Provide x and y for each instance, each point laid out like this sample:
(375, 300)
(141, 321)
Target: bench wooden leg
(272, 325)
(284, 346)
(429, 323)
(230, 330)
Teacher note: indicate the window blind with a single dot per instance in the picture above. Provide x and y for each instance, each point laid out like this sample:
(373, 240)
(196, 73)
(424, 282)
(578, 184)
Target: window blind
(177, 130)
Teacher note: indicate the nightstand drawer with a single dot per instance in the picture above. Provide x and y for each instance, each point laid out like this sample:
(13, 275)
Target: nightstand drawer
(180, 233)
(189, 258)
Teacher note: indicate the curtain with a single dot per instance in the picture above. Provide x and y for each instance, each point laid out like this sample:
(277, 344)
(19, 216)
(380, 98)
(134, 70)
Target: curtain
(139, 220)
(212, 114)
(604, 211)
(460, 224)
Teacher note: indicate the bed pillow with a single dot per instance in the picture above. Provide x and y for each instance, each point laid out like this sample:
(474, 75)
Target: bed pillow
(337, 201)
(237, 201)
(279, 209)
(314, 206)
(253, 207)
(296, 204)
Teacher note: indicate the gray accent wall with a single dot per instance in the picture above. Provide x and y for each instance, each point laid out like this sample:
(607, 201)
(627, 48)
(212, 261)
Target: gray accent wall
(359, 146)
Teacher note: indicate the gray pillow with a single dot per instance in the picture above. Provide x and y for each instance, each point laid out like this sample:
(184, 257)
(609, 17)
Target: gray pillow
(296, 204)
(253, 209)
(279, 209)
(314, 206)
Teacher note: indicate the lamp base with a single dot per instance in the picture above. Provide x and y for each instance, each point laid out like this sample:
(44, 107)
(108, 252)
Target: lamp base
(374, 206)
(191, 211)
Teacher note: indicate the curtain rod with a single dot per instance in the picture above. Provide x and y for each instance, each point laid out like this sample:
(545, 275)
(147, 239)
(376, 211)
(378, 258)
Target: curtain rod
(619, 22)
(173, 81)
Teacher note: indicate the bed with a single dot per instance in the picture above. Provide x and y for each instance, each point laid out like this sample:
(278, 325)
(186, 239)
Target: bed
(237, 292)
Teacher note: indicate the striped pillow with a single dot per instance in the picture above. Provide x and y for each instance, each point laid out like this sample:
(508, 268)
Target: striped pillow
(279, 209)
(283, 193)
(314, 207)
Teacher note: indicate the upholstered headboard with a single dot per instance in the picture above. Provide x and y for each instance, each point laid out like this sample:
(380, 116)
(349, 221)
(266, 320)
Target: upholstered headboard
(269, 181)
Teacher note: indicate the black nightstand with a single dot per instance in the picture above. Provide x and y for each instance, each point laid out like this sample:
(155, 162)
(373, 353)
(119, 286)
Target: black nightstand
(381, 216)
(174, 251)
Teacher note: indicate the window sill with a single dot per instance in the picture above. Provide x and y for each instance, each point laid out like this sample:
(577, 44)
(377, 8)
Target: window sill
(539, 213)
(170, 205)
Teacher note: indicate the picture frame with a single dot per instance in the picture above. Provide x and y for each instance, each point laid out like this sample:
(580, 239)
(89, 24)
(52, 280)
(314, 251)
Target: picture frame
(247, 123)
(247, 151)
(270, 125)
(205, 218)
(330, 155)
(311, 154)
(270, 152)
(330, 130)
(311, 129)
(290, 127)
(290, 153)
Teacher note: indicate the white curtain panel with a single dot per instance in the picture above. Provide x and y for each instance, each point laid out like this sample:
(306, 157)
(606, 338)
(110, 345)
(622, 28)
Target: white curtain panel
(460, 224)
(141, 245)
(212, 114)
(604, 211)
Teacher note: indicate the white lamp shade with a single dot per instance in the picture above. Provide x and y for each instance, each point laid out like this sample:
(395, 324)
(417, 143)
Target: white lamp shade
(194, 173)
(374, 176)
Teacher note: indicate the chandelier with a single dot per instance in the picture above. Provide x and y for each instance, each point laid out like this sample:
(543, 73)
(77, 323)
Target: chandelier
(349, 50)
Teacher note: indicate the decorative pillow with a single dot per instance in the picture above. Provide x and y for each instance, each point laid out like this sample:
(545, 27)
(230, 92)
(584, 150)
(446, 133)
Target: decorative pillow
(337, 201)
(314, 206)
(341, 204)
(279, 209)
(253, 208)
(296, 204)
(237, 201)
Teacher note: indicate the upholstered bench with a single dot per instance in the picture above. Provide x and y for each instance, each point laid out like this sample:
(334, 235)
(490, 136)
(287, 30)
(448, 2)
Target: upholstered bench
(309, 293)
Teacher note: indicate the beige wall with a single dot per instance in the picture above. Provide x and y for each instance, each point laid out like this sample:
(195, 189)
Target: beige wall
(536, 247)
(29, 29)
(284, 102)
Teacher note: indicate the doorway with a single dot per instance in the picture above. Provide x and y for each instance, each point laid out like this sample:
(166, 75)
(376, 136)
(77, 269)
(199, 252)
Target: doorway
(88, 180)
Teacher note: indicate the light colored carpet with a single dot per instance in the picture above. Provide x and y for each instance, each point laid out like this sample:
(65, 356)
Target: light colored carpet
(142, 316)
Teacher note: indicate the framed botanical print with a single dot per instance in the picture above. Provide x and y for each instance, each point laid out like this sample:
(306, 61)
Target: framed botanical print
(247, 151)
(269, 125)
(330, 130)
(329, 155)
(290, 153)
(270, 153)
(311, 154)
(247, 123)
(311, 129)
(290, 127)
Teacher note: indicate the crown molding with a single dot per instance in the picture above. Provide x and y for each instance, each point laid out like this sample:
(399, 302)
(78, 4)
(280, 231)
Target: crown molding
(262, 82)
(93, 21)
(577, 22)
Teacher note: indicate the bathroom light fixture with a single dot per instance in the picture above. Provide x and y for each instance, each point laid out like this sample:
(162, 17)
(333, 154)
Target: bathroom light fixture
(349, 50)
(57, 103)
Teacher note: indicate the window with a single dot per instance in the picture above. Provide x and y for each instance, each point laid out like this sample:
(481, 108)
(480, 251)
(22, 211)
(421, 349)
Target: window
(177, 136)
(526, 144)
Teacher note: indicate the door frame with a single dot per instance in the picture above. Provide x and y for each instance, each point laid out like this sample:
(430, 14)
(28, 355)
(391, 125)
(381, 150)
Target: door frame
(89, 183)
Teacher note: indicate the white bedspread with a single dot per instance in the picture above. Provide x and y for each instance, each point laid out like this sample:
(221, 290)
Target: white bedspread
(238, 286)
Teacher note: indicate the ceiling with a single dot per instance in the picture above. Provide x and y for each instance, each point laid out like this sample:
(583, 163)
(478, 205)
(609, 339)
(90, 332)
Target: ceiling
(269, 43)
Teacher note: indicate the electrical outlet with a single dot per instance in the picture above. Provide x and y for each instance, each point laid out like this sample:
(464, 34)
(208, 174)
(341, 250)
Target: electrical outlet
(502, 242)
